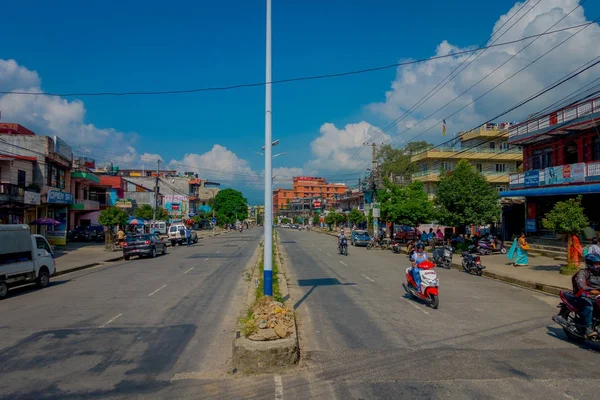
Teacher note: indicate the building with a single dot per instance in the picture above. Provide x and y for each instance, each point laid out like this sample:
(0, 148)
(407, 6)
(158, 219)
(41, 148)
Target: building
(486, 148)
(84, 210)
(561, 159)
(310, 187)
(18, 193)
(203, 192)
(281, 199)
(148, 172)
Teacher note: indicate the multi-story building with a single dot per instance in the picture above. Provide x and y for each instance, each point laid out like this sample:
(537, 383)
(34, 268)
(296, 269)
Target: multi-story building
(561, 159)
(18, 192)
(202, 192)
(282, 199)
(149, 172)
(85, 209)
(310, 186)
(486, 148)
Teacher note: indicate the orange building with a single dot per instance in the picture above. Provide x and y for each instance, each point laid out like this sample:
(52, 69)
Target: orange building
(281, 197)
(310, 186)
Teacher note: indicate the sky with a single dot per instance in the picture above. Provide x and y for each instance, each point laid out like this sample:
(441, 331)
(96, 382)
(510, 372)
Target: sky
(86, 47)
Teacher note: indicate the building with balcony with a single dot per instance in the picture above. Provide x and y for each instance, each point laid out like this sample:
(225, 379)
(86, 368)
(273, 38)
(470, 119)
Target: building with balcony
(282, 199)
(86, 207)
(486, 148)
(561, 159)
(311, 186)
(18, 193)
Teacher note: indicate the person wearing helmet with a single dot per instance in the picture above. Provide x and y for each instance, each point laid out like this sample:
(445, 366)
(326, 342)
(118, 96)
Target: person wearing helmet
(418, 257)
(586, 286)
(342, 236)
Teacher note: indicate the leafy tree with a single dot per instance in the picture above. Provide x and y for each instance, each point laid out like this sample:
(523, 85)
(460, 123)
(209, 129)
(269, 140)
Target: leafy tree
(567, 217)
(111, 218)
(316, 219)
(297, 220)
(228, 205)
(397, 161)
(286, 221)
(145, 211)
(464, 197)
(356, 217)
(406, 205)
(259, 219)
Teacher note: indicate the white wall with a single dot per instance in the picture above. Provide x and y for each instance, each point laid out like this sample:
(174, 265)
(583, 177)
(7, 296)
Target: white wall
(10, 173)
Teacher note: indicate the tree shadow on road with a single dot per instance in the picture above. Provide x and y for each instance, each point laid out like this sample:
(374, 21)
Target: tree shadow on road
(314, 283)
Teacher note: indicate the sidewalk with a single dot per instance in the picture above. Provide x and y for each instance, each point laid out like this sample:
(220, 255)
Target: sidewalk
(79, 256)
(541, 274)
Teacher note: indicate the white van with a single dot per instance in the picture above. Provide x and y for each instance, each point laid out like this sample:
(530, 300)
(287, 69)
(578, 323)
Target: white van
(24, 258)
(158, 226)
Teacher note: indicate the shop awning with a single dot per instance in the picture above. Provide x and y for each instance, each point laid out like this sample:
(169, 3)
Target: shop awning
(553, 191)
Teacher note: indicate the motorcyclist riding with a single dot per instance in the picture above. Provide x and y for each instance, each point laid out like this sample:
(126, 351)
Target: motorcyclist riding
(586, 286)
(342, 236)
(418, 257)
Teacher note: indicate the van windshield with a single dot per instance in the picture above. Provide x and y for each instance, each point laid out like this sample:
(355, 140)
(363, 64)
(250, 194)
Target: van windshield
(42, 244)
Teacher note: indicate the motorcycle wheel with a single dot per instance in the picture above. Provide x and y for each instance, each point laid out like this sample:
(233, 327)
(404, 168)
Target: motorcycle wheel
(503, 250)
(345, 251)
(369, 246)
(479, 272)
(569, 316)
(465, 267)
(447, 264)
(434, 301)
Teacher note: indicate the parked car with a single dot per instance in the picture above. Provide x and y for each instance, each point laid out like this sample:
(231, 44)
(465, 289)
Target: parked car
(24, 258)
(177, 235)
(405, 234)
(77, 234)
(360, 238)
(94, 233)
(144, 245)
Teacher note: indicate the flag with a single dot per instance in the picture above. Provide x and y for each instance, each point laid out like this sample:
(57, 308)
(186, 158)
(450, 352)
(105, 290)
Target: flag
(444, 127)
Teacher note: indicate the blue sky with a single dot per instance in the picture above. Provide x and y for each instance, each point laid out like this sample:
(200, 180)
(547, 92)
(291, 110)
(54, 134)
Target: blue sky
(79, 46)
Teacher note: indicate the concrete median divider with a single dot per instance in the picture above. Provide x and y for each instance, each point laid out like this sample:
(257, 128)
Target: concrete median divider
(272, 350)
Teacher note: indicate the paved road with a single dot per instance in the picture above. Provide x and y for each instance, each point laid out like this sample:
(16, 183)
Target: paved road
(363, 338)
(150, 328)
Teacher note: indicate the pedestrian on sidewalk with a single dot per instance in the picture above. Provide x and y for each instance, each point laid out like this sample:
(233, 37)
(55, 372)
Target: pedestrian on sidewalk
(188, 236)
(518, 251)
(120, 237)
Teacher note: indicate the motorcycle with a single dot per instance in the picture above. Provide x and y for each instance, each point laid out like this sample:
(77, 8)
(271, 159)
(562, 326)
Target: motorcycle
(471, 263)
(343, 247)
(410, 248)
(442, 257)
(568, 317)
(429, 284)
(396, 246)
(485, 247)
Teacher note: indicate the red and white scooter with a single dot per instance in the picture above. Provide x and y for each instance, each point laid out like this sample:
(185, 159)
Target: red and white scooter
(429, 284)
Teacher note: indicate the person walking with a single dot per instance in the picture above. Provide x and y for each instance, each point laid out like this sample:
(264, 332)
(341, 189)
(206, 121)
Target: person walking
(188, 236)
(518, 251)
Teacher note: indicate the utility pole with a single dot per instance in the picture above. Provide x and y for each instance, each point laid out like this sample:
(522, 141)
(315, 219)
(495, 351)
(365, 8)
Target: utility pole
(268, 218)
(156, 192)
(375, 206)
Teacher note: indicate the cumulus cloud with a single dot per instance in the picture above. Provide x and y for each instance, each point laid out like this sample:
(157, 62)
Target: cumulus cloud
(414, 81)
(335, 149)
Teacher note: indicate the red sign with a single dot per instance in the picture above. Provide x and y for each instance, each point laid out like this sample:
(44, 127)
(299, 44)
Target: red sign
(317, 204)
(175, 207)
(307, 178)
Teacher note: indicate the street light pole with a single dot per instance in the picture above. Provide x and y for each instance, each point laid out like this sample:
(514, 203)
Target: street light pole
(268, 226)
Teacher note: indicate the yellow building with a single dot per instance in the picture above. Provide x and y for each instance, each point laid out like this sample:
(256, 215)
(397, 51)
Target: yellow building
(486, 148)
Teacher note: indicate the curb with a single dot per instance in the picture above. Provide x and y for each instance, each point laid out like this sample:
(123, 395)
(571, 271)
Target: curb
(86, 266)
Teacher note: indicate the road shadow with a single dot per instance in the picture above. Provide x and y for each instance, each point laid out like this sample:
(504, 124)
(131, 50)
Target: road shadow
(92, 363)
(314, 283)
(29, 288)
(558, 333)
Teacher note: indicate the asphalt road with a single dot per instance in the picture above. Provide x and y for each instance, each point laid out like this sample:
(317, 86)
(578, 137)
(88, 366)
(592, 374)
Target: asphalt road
(149, 328)
(363, 338)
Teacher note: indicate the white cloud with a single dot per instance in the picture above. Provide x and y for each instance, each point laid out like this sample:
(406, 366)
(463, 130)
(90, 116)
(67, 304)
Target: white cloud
(412, 82)
(343, 149)
(14, 77)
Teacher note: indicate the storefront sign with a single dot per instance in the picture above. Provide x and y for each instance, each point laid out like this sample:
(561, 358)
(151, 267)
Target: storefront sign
(59, 197)
(170, 198)
(317, 204)
(124, 203)
(175, 206)
(530, 225)
(532, 178)
(578, 172)
(57, 238)
(554, 175)
(31, 198)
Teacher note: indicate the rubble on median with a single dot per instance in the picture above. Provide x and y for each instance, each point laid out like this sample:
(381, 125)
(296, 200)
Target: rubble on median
(272, 320)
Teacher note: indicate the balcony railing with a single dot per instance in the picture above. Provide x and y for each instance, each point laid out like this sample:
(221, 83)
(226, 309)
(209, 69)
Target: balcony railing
(11, 192)
(436, 173)
(85, 205)
(472, 149)
(556, 117)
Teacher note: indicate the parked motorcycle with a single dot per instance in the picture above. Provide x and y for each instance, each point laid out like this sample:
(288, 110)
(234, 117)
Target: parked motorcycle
(472, 263)
(568, 317)
(429, 284)
(485, 247)
(343, 247)
(442, 257)
(396, 246)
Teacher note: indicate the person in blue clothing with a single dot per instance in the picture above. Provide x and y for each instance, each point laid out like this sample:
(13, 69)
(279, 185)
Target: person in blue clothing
(188, 236)
(418, 257)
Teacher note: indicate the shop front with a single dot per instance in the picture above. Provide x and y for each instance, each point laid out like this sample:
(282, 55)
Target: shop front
(56, 207)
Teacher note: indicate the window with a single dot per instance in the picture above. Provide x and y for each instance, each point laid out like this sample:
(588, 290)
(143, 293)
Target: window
(21, 178)
(501, 188)
(479, 167)
(500, 167)
(492, 145)
(445, 166)
(42, 244)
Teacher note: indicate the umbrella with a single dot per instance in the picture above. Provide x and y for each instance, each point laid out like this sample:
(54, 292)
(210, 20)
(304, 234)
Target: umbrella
(134, 222)
(45, 221)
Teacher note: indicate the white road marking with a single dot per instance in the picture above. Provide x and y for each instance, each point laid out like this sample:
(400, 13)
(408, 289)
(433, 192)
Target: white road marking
(366, 277)
(160, 288)
(415, 306)
(343, 263)
(312, 244)
(110, 320)
(188, 270)
(319, 249)
(206, 259)
(278, 387)
(218, 251)
(329, 254)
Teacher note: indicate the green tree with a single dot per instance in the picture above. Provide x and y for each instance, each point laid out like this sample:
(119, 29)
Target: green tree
(405, 204)
(111, 218)
(398, 161)
(316, 219)
(145, 211)
(356, 217)
(464, 197)
(228, 205)
(286, 220)
(567, 217)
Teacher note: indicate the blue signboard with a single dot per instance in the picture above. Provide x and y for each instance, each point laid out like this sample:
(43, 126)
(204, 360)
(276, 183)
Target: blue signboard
(532, 178)
(530, 225)
(58, 197)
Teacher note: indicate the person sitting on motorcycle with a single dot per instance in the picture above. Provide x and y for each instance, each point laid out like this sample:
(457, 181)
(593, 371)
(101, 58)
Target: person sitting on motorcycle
(341, 237)
(418, 257)
(586, 286)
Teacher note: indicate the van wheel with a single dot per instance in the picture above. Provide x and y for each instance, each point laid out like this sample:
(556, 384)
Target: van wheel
(3, 290)
(172, 243)
(164, 250)
(43, 278)
(126, 258)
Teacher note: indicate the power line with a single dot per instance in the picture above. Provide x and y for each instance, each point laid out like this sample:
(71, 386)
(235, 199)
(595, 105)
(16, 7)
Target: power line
(288, 80)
